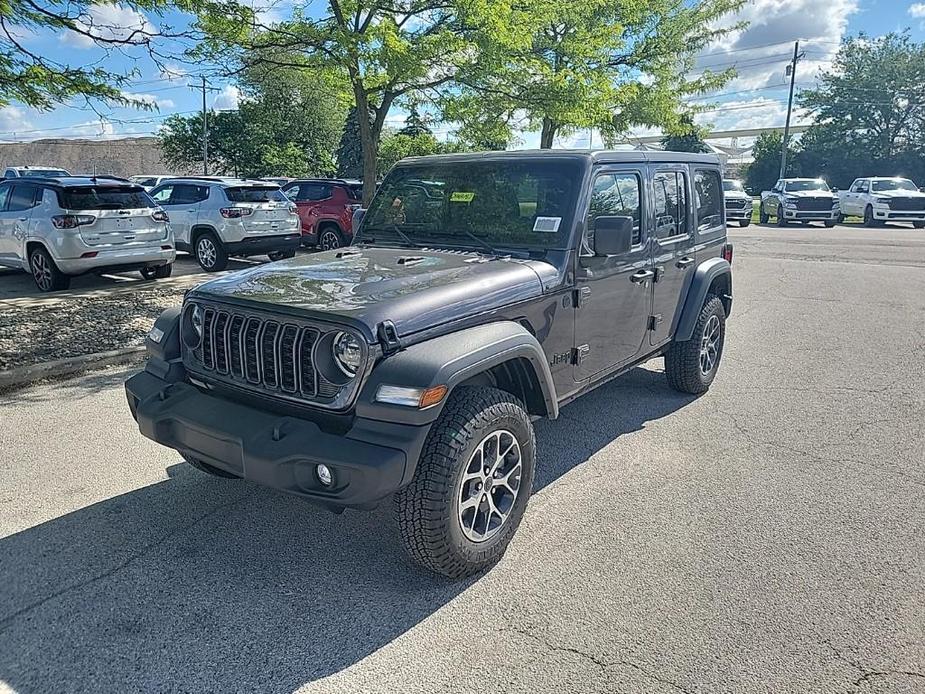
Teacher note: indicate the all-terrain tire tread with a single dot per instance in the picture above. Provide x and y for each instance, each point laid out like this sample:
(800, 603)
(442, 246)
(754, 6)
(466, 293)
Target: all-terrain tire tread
(682, 361)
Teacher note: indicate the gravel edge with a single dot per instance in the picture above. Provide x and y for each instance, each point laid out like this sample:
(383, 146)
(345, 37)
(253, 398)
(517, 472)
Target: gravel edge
(17, 378)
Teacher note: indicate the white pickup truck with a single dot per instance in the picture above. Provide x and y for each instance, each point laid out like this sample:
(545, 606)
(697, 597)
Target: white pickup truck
(801, 200)
(880, 200)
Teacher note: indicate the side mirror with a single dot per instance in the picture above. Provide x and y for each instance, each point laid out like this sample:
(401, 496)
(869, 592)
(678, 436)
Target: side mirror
(358, 215)
(613, 235)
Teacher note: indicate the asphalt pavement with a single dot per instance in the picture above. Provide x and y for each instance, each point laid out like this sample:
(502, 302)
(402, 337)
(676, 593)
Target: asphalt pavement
(765, 537)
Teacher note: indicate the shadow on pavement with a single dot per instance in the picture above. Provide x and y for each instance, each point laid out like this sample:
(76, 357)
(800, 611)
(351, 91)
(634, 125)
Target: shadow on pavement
(197, 583)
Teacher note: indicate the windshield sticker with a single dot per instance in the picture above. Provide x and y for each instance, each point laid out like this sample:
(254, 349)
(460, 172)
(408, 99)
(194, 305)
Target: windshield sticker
(547, 225)
(461, 196)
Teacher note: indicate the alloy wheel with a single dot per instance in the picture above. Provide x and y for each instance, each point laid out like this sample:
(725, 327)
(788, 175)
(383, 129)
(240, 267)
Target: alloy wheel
(205, 251)
(329, 240)
(709, 345)
(489, 486)
(41, 271)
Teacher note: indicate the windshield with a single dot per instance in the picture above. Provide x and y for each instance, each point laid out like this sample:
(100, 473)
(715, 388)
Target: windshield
(729, 185)
(508, 204)
(797, 186)
(893, 184)
(106, 198)
(255, 194)
(36, 173)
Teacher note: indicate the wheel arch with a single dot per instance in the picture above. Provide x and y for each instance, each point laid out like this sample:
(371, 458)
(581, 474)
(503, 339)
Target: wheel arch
(503, 355)
(713, 276)
(198, 230)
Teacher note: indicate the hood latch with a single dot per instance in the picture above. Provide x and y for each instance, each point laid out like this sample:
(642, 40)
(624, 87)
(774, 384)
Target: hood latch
(388, 337)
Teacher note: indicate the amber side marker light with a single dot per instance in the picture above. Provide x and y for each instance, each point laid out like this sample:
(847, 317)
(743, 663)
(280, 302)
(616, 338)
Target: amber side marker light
(411, 397)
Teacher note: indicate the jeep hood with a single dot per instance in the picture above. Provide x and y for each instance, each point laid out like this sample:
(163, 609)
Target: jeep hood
(413, 288)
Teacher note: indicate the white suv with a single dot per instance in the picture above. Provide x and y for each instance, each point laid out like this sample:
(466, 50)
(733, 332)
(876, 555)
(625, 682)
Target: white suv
(214, 218)
(71, 225)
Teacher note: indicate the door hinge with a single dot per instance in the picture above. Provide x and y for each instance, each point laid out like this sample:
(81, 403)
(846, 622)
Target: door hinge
(580, 353)
(388, 337)
(654, 321)
(580, 296)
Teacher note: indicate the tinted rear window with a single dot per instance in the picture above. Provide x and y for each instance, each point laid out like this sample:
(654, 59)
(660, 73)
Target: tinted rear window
(36, 173)
(105, 198)
(255, 194)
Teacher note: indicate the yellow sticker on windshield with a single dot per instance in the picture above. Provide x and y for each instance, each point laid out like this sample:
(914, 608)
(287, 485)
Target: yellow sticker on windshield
(461, 196)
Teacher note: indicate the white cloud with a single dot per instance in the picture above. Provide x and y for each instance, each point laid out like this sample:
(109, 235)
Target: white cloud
(917, 10)
(227, 99)
(149, 99)
(13, 120)
(112, 22)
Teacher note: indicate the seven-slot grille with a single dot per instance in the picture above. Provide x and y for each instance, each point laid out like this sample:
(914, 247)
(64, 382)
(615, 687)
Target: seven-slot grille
(262, 353)
(814, 204)
(907, 204)
(737, 203)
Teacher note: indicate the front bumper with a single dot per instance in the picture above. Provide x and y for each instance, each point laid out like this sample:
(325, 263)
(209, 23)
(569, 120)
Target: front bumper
(119, 258)
(885, 213)
(811, 215)
(736, 213)
(258, 245)
(369, 462)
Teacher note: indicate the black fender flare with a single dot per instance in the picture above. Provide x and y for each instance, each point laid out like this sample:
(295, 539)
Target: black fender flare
(450, 360)
(704, 275)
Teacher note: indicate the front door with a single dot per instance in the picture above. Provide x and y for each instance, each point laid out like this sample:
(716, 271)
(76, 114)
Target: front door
(613, 293)
(672, 257)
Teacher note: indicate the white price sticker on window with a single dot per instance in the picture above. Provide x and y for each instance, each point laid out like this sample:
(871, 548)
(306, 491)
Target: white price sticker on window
(547, 225)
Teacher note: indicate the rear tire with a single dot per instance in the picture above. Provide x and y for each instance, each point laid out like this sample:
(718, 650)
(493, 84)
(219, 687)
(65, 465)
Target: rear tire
(157, 273)
(47, 276)
(455, 519)
(281, 255)
(210, 253)
(208, 469)
(329, 238)
(691, 365)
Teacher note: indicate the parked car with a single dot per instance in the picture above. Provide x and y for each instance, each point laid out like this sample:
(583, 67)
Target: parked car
(325, 208)
(801, 200)
(413, 363)
(149, 183)
(59, 227)
(216, 218)
(32, 171)
(738, 202)
(879, 199)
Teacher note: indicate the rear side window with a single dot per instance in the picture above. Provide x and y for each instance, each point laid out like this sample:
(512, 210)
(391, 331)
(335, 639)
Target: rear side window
(255, 194)
(22, 198)
(39, 173)
(105, 198)
(186, 194)
(303, 192)
(708, 191)
(670, 188)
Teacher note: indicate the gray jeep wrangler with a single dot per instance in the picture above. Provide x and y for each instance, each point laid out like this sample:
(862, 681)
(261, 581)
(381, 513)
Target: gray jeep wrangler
(482, 291)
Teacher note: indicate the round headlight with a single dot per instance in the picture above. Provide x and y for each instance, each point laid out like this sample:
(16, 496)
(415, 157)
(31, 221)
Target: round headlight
(196, 320)
(347, 353)
(192, 326)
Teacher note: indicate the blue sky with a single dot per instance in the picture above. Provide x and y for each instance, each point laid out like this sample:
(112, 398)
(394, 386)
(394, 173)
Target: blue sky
(757, 97)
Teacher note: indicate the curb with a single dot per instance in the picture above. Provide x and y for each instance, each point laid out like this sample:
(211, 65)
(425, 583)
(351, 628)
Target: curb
(24, 375)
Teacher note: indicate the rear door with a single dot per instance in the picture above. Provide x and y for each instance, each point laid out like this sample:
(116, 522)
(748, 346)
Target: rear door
(307, 197)
(614, 292)
(122, 215)
(673, 259)
(181, 201)
(15, 219)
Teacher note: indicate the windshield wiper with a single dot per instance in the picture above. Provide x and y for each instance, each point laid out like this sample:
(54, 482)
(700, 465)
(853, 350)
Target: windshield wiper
(392, 226)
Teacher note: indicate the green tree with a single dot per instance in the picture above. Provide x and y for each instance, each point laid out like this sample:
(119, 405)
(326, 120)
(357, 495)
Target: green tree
(763, 172)
(349, 152)
(386, 52)
(688, 138)
(607, 64)
(395, 147)
(32, 78)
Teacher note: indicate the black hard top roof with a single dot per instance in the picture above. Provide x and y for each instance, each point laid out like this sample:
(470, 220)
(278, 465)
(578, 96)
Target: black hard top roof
(595, 156)
(341, 181)
(75, 181)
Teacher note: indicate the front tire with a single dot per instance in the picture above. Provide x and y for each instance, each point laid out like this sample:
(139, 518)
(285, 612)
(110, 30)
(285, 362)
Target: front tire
(47, 276)
(210, 253)
(918, 225)
(869, 220)
(472, 483)
(781, 220)
(829, 223)
(763, 216)
(743, 223)
(691, 365)
(157, 273)
(281, 255)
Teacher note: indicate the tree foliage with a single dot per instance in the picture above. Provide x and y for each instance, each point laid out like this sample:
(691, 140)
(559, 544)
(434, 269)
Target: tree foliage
(689, 138)
(605, 64)
(350, 152)
(279, 129)
(763, 172)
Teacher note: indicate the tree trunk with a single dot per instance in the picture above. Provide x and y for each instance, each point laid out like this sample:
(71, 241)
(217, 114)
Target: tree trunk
(548, 133)
(368, 144)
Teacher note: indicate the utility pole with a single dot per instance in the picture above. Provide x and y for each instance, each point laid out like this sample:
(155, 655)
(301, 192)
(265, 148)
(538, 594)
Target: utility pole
(792, 69)
(205, 128)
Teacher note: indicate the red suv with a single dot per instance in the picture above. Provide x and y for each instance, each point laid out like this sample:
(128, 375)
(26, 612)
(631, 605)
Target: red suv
(325, 206)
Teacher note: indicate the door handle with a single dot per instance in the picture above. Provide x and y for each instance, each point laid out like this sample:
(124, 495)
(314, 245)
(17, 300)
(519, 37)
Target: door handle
(684, 262)
(642, 276)
(22, 219)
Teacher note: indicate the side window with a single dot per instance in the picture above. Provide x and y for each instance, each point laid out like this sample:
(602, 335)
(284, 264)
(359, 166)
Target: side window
(314, 191)
(671, 208)
(863, 187)
(292, 192)
(708, 191)
(201, 193)
(9, 173)
(186, 194)
(22, 198)
(612, 195)
(4, 194)
(162, 195)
